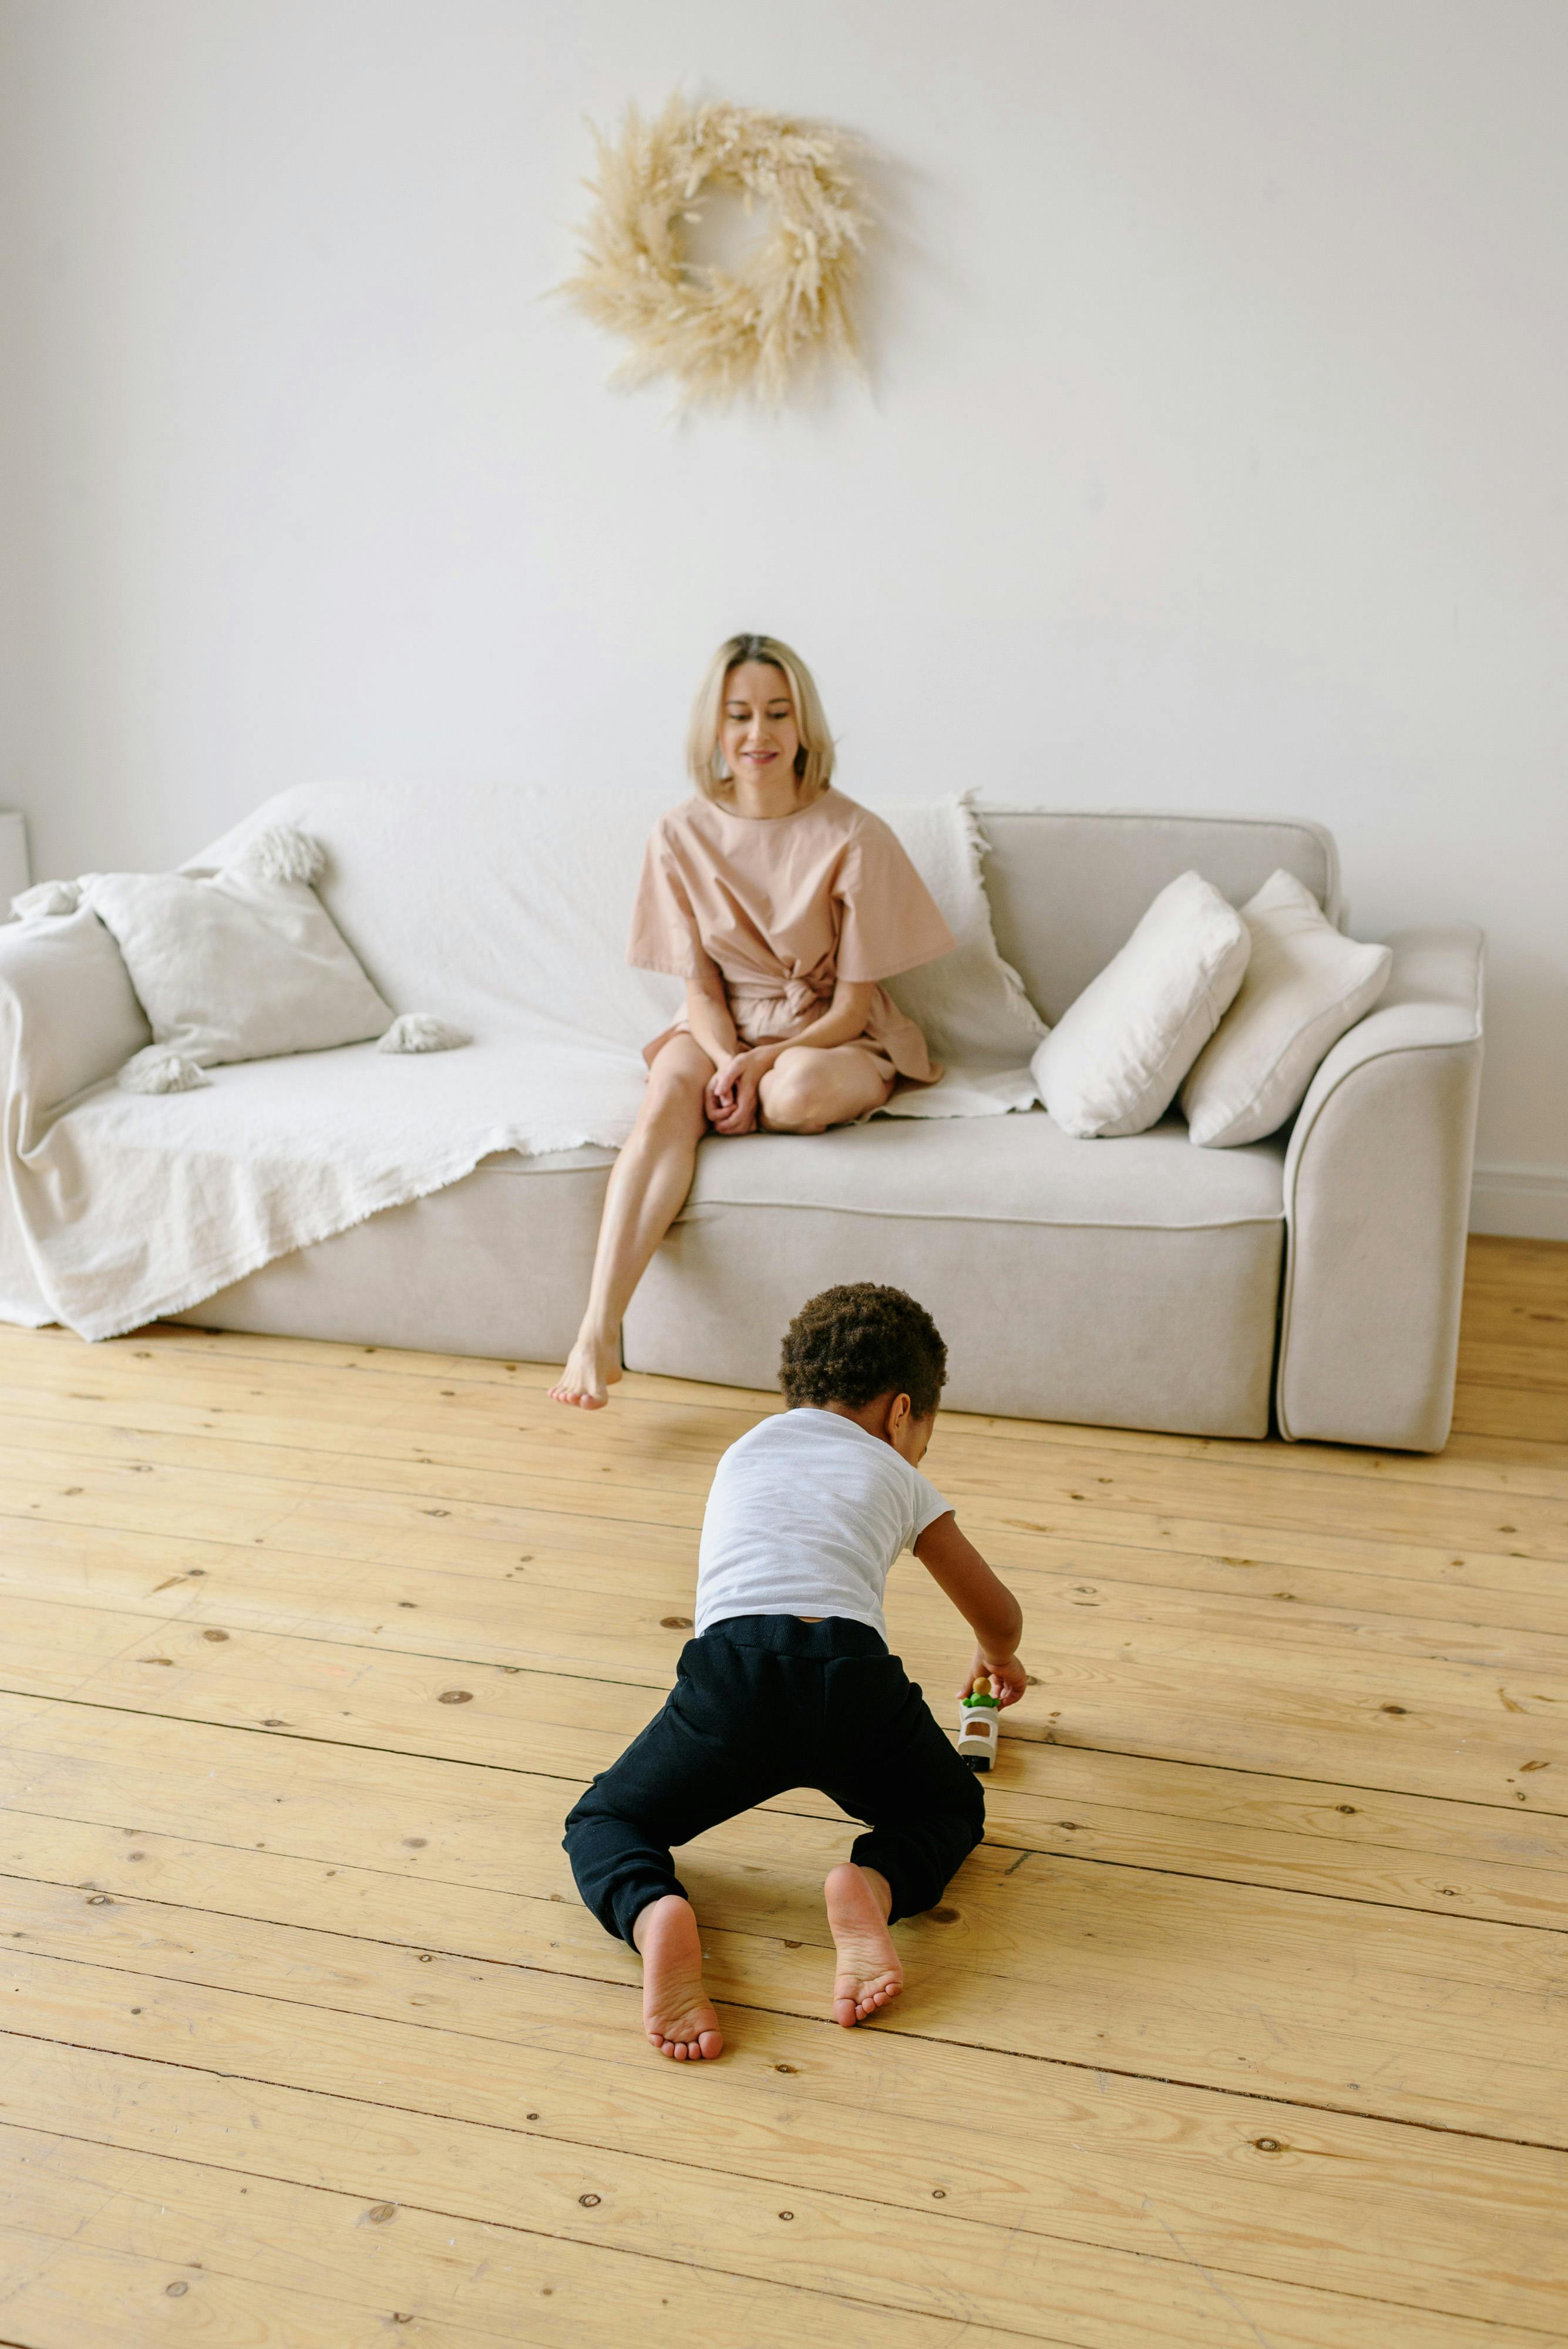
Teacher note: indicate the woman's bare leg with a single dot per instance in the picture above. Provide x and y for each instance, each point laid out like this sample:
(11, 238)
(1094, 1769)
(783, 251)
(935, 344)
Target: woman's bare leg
(647, 1186)
(807, 1090)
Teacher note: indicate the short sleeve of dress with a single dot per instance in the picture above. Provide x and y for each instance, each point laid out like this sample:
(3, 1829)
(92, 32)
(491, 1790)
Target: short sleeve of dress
(889, 920)
(664, 930)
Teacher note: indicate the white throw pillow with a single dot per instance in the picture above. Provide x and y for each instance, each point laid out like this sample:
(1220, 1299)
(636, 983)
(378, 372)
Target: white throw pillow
(238, 965)
(1113, 1059)
(1305, 985)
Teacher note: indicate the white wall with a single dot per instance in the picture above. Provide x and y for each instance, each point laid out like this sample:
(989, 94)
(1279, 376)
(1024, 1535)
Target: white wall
(1215, 458)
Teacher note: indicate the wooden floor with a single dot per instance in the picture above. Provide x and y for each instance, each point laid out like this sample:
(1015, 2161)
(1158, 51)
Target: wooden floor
(1248, 2023)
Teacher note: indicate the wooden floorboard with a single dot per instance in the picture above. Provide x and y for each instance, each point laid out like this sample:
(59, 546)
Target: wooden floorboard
(1244, 2026)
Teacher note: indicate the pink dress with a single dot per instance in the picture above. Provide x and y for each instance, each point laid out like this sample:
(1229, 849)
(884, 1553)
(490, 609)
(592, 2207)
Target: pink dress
(784, 908)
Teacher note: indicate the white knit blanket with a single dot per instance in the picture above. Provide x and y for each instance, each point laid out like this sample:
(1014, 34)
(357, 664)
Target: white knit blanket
(505, 912)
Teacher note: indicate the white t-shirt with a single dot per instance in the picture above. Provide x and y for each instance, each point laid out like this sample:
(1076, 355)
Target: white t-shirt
(805, 1517)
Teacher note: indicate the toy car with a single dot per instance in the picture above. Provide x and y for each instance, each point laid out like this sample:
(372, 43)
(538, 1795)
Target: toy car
(980, 1717)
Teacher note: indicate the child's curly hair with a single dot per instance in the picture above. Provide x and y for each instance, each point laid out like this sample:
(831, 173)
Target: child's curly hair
(854, 1343)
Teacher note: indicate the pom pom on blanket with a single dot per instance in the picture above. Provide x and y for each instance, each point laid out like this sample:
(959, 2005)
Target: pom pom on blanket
(421, 1031)
(157, 1070)
(282, 852)
(47, 897)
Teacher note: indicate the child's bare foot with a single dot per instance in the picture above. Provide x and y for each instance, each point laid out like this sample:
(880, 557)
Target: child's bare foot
(675, 2012)
(869, 1974)
(592, 1368)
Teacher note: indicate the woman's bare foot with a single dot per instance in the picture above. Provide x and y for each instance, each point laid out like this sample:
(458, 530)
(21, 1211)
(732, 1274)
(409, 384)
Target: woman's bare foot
(592, 1368)
(869, 1974)
(676, 2011)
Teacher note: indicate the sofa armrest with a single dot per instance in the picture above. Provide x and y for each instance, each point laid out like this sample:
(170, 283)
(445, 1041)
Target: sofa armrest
(68, 1018)
(1378, 1187)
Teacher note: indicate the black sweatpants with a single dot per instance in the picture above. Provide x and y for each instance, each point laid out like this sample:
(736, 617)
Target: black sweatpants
(761, 1703)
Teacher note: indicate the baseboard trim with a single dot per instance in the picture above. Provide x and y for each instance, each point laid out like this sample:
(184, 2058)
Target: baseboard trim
(1521, 1203)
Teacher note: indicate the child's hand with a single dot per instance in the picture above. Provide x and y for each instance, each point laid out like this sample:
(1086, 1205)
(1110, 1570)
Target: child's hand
(1007, 1676)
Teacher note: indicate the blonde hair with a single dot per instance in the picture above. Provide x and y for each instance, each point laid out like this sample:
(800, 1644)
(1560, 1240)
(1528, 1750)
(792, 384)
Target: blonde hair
(813, 760)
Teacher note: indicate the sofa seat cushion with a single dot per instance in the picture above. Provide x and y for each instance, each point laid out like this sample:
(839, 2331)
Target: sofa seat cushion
(1131, 1283)
(496, 1264)
(1013, 1170)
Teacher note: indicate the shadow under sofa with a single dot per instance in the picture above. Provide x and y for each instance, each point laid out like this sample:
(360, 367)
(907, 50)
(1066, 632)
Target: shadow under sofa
(1139, 1282)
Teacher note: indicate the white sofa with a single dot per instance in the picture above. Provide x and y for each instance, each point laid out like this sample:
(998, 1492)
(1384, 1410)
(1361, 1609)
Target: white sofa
(1314, 1276)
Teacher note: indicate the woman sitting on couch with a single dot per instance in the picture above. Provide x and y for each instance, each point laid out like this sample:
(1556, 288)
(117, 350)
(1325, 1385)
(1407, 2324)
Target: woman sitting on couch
(781, 904)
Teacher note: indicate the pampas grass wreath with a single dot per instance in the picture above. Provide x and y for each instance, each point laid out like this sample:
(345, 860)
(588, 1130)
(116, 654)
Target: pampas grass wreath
(722, 337)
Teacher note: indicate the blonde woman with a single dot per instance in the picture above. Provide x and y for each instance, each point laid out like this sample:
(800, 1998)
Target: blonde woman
(781, 904)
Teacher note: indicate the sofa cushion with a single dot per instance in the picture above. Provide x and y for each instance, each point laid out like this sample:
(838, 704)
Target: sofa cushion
(1113, 1062)
(1305, 985)
(1096, 1281)
(496, 1264)
(1013, 1170)
(242, 967)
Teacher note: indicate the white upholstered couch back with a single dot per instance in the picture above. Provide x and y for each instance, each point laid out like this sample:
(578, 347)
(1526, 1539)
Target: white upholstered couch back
(483, 897)
(1066, 890)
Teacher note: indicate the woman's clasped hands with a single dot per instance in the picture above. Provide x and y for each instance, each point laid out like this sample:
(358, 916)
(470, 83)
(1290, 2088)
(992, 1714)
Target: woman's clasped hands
(731, 1098)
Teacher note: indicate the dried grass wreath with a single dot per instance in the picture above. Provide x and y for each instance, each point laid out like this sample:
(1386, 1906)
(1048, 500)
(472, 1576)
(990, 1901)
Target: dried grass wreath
(720, 335)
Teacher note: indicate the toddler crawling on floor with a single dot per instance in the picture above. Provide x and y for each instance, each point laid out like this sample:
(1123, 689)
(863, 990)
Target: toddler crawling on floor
(788, 1681)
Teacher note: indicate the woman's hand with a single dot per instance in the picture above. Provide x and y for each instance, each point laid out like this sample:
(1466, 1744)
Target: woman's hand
(731, 1098)
(1007, 1676)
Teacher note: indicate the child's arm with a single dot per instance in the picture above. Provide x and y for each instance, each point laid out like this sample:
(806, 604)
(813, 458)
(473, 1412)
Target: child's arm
(984, 1601)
